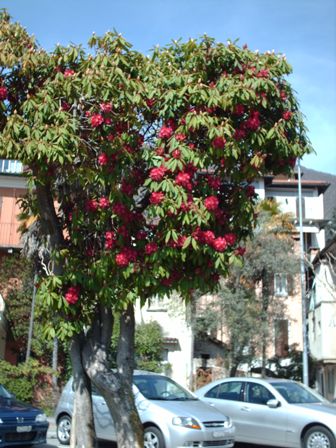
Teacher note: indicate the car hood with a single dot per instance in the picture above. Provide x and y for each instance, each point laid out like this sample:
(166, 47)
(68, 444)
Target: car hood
(320, 407)
(9, 406)
(190, 408)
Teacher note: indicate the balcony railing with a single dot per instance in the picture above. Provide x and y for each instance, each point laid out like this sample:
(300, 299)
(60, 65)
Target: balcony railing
(9, 235)
(10, 166)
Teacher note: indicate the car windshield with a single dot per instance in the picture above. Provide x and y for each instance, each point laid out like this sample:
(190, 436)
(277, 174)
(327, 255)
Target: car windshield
(157, 387)
(4, 392)
(296, 393)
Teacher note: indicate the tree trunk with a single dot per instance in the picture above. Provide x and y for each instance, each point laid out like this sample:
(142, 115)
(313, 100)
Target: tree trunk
(115, 386)
(82, 429)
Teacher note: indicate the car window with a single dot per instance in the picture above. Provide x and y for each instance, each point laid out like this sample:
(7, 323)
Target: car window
(157, 387)
(230, 390)
(257, 393)
(297, 393)
(4, 392)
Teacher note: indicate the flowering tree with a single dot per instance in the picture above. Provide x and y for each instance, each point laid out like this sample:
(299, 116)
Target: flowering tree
(140, 172)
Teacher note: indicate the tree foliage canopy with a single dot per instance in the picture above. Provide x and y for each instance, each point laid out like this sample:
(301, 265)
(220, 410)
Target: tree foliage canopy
(145, 163)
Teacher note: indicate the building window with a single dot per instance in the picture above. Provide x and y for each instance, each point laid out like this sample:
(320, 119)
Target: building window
(281, 337)
(10, 166)
(280, 285)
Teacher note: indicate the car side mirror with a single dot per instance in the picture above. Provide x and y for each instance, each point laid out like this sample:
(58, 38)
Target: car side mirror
(273, 403)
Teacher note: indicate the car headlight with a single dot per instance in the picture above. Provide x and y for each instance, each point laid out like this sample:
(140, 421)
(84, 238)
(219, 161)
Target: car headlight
(228, 423)
(1, 421)
(41, 418)
(186, 422)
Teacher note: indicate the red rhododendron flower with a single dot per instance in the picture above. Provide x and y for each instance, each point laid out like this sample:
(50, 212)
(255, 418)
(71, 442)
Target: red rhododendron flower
(176, 153)
(283, 95)
(121, 210)
(181, 240)
(214, 182)
(64, 105)
(110, 137)
(253, 122)
(208, 237)
(166, 132)
(91, 205)
(3, 93)
(240, 251)
(96, 120)
(157, 173)
(156, 197)
(105, 107)
(68, 72)
(239, 134)
(159, 151)
(127, 188)
(122, 259)
(103, 159)
(263, 73)
(287, 115)
(151, 248)
(108, 121)
(150, 102)
(72, 294)
(211, 203)
(250, 191)
(218, 142)
(220, 244)
(104, 202)
(180, 137)
(239, 109)
(230, 238)
(183, 179)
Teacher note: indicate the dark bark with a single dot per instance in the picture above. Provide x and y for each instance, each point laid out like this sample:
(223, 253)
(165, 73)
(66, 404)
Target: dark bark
(83, 432)
(115, 386)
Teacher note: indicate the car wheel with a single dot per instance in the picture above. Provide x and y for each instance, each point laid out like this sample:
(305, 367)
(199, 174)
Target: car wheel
(63, 430)
(153, 438)
(318, 437)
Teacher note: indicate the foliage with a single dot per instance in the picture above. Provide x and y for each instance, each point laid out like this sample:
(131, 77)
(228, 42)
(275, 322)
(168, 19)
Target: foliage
(16, 278)
(25, 380)
(148, 159)
(246, 298)
(148, 346)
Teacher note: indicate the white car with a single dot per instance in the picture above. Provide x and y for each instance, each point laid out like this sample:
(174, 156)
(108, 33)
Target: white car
(172, 417)
(275, 412)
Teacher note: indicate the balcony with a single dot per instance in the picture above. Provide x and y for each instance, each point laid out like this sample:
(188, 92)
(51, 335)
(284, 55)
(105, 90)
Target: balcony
(10, 166)
(9, 235)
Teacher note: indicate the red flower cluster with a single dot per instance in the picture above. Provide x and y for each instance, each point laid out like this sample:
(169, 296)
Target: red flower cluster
(184, 179)
(151, 248)
(104, 202)
(125, 257)
(105, 107)
(3, 93)
(219, 142)
(91, 205)
(157, 173)
(287, 115)
(230, 238)
(156, 197)
(250, 191)
(103, 159)
(166, 132)
(220, 244)
(72, 294)
(211, 203)
(239, 109)
(180, 137)
(263, 73)
(68, 72)
(110, 238)
(176, 154)
(253, 122)
(214, 182)
(96, 120)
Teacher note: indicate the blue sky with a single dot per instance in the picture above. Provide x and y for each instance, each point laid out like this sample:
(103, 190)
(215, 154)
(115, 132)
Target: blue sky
(305, 30)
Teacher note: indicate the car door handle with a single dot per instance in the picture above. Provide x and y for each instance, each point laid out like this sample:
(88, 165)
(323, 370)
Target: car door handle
(245, 409)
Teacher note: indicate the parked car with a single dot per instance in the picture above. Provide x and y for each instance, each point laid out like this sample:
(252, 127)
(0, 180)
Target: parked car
(171, 415)
(20, 424)
(275, 412)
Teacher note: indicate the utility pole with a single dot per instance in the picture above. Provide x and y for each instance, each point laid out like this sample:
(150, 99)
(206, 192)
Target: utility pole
(305, 375)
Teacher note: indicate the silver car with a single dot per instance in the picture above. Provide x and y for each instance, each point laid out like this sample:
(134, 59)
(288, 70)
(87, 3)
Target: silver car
(275, 412)
(172, 416)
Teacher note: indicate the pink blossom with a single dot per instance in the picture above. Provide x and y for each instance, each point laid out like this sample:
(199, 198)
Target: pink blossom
(156, 197)
(151, 248)
(122, 259)
(103, 159)
(96, 120)
(105, 107)
(68, 72)
(230, 238)
(219, 142)
(183, 179)
(253, 122)
(211, 203)
(91, 205)
(176, 153)
(180, 137)
(104, 202)
(287, 115)
(157, 173)
(220, 244)
(3, 93)
(166, 132)
(72, 294)
(208, 237)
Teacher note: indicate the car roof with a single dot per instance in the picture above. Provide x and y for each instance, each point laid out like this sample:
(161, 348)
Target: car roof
(247, 378)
